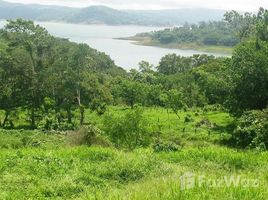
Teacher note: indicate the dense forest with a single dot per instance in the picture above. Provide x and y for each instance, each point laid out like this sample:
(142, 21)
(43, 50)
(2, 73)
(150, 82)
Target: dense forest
(75, 125)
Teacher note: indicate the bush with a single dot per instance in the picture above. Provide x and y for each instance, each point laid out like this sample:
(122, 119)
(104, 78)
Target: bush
(49, 122)
(252, 130)
(89, 135)
(205, 123)
(213, 108)
(188, 118)
(163, 146)
(128, 130)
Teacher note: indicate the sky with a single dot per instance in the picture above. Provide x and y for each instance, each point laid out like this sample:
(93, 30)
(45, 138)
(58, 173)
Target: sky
(242, 5)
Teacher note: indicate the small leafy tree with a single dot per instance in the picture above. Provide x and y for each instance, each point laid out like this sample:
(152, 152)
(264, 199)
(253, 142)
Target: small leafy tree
(128, 130)
(132, 92)
(145, 67)
(174, 100)
(172, 64)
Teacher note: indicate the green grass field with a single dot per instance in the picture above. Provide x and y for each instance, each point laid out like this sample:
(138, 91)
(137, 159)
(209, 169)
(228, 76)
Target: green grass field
(49, 165)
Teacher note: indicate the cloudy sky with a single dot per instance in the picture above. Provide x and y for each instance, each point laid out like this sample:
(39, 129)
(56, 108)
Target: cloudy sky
(243, 5)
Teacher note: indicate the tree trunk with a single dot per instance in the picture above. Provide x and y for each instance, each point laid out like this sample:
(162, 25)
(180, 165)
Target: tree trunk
(178, 115)
(81, 108)
(82, 115)
(69, 115)
(34, 81)
(32, 118)
(7, 113)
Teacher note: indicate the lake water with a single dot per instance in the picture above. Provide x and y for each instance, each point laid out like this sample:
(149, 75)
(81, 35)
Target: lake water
(123, 52)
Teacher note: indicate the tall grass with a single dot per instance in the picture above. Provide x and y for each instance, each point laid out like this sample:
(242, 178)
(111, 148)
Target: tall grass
(40, 165)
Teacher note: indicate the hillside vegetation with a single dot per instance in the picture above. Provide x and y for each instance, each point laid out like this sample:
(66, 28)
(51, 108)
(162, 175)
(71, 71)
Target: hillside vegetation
(75, 126)
(213, 36)
(42, 165)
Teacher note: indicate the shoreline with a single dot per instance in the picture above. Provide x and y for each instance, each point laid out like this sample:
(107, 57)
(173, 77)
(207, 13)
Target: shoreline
(147, 41)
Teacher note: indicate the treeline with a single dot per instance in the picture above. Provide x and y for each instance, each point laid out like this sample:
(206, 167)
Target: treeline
(205, 33)
(53, 80)
(229, 32)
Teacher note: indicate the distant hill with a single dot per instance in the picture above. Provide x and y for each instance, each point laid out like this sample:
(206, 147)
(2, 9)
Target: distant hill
(34, 12)
(106, 15)
(102, 15)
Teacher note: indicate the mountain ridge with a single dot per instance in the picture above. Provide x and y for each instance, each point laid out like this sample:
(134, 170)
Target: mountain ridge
(106, 15)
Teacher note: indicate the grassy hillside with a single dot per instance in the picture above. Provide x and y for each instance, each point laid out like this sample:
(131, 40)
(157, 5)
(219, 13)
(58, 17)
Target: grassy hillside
(41, 165)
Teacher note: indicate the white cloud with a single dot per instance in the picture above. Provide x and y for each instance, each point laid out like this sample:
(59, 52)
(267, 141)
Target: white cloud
(243, 5)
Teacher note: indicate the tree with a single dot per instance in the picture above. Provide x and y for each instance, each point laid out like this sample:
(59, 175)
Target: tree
(201, 59)
(146, 67)
(76, 84)
(213, 80)
(127, 130)
(153, 95)
(174, 100)
(244, 26)
(132, 92)
(249, 77)
(262, 25)
(172, 64)
(193, 96)
(249, 67)
(8, 81)
(147, 74)
(36, 41)
(252, 130)
(80, 73)
(37, 70)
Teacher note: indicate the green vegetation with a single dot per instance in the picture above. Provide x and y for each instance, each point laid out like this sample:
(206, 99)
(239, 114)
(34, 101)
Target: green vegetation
(35, 69)
(37, 164)
(252, 130)
(74, 125)
(216, 36)
(148, 41)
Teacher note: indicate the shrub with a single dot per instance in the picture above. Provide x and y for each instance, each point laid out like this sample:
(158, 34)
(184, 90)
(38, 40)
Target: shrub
(213, 108)
(188, 118)
(128, 130)
(98, 106)
(205, 123)
(95, 136)
(252, 130)
(163, 146)
(89, 135)
(49, 122)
